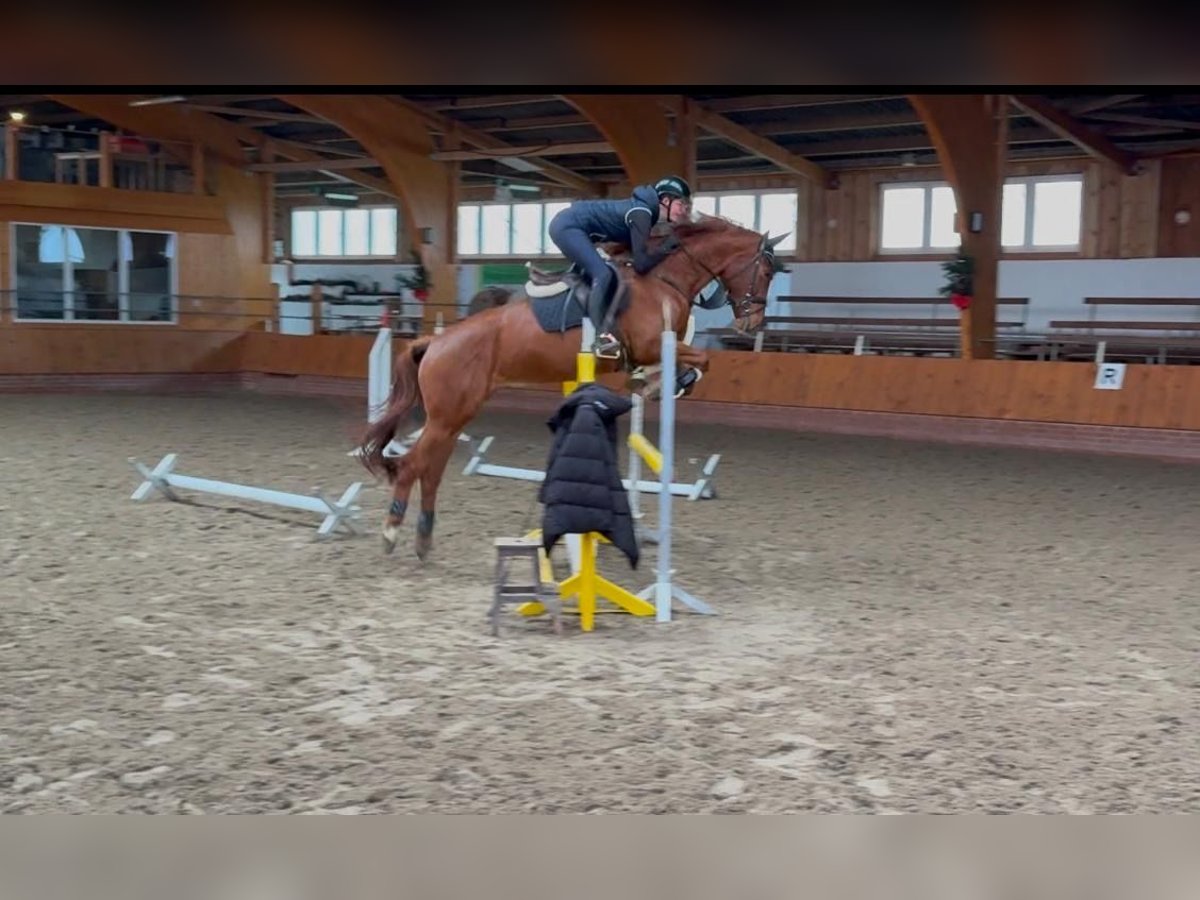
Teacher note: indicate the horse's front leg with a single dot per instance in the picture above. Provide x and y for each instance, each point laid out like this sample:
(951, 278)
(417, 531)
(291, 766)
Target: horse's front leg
(692, 363)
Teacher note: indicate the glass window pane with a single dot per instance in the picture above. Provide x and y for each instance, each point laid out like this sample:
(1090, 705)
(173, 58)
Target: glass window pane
(777, 215)
(304, 232)
(552, 209)
(383, 231)
(358, 223)
(329, 232)
(1056, 212)
(150, 276)
(39, 252)
(706, 204)
(737, 208)
(468, 229)
(903, 218)
(497, 218)
(1012, 216)
(942, 208)
(527, 228)
(96, 273)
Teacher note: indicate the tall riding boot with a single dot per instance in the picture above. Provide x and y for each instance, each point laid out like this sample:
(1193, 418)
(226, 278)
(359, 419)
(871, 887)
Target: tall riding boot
(606, 344)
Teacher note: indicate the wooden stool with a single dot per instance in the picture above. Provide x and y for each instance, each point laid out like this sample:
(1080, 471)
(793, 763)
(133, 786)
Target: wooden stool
(507, 550)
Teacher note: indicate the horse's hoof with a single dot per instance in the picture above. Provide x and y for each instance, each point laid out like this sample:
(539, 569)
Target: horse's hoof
(424, 545)
(389, 535)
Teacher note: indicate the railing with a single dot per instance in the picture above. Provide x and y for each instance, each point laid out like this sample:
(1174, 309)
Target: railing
(363, 313)
(40, 153)
(30, 305)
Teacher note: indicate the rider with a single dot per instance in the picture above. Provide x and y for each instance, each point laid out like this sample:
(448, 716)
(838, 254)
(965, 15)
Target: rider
(626, 221)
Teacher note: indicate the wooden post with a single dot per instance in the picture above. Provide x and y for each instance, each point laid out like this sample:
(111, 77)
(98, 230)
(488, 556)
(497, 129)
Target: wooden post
(106, 163)
(198, 168)
(315, 295)
(968, 131)
(267, 208)
(12, 149)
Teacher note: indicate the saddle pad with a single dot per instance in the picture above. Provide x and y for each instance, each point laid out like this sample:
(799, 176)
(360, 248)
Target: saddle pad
(558, 313)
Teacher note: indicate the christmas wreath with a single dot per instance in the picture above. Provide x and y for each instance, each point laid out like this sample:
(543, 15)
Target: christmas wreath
(959, 286)
(418, 282)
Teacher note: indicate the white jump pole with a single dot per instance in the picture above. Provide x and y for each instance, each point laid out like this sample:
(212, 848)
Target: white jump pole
(340, 512)
(664, 590)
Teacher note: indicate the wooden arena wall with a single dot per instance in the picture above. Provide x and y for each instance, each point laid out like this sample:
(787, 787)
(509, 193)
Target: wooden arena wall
(1044, 404)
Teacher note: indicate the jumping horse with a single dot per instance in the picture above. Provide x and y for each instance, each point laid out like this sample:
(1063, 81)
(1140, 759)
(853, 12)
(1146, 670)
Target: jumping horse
(452, 374)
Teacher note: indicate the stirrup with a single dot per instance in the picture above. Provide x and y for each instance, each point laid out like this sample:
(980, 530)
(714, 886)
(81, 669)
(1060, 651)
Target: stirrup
(606, 347)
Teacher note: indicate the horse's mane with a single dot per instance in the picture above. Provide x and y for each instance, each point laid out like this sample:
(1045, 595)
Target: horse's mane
(702, 224)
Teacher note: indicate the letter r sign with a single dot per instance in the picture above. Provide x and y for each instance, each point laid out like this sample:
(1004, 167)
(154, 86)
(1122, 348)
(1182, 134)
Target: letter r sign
(1110, 376)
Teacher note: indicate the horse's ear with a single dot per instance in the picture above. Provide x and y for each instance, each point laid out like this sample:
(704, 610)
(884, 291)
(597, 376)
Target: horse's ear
(774, 242)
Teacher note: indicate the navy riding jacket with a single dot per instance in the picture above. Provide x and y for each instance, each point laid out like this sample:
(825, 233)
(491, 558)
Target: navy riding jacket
(624, 221)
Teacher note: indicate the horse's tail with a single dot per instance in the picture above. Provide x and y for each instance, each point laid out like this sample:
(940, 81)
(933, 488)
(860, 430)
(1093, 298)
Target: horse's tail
(405, 395)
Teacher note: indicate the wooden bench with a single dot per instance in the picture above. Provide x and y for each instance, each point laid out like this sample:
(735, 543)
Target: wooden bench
(888, 301)
(904, 334)
(1127, 338)
(1110, 325)
(1092, 323)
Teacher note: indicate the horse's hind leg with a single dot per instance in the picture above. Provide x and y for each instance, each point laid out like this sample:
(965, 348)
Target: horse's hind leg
(408, 467)
(440, 448)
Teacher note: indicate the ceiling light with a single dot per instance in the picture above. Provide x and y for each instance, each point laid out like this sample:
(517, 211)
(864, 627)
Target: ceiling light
(17, 116)
(154, 101)
(517, 163)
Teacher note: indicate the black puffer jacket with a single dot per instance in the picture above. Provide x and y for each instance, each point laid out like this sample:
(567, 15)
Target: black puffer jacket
(583, 491)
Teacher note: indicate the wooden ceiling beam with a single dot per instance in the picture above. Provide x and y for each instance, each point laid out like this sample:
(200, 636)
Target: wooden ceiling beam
(921, 141)
(531, 151)
(483, 102)
(1098, 103)
(328, 165)
(789, 101)
(1088, 139)
(827, 122)
(484, 141)
(532, 123)
(1126, 118)
(268, 114)
(317, 163)
(743, 137)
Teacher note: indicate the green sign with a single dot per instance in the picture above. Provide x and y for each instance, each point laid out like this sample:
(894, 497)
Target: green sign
(503, 273)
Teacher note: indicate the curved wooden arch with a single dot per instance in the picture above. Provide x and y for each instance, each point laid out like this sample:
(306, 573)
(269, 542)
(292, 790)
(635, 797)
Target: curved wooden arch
(652, 135)
(969, 132)
(427, 189)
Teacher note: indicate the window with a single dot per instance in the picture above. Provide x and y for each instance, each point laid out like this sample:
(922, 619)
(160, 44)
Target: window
(1049, 210)
(763, 211)
(1043, 212)
(523, 228)
(918, 217)
(507, 229)
(360, 231)
(93, 274)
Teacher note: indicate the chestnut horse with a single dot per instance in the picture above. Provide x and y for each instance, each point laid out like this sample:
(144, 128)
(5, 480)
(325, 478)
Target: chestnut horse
(452, 374)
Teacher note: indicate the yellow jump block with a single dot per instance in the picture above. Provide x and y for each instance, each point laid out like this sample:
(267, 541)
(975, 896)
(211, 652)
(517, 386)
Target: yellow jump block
(588, 587)
(647, 451)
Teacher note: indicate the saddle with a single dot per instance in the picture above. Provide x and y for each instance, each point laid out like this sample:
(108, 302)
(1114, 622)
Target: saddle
(539, 276)
(560, 304)
(550, 282)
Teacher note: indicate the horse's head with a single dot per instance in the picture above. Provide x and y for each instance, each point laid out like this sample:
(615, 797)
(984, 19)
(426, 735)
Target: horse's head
(741, 259)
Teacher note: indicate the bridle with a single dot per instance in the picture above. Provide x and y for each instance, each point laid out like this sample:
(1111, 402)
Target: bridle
(744, 306)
